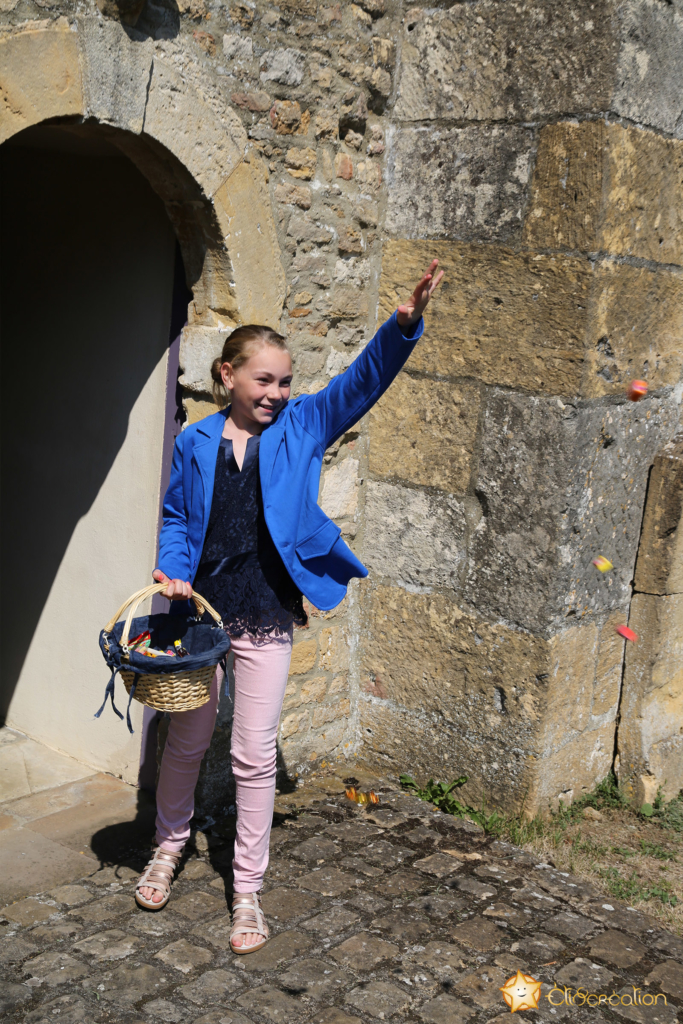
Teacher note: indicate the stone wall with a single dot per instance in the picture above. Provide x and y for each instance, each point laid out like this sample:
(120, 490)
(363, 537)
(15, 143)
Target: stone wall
(535, 149)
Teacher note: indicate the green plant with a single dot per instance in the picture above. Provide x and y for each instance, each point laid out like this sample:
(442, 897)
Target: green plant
(441, 795)
(632, 890)
(655, 850)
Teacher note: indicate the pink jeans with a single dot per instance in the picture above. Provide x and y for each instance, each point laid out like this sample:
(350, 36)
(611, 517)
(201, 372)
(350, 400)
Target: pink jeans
(261, 669)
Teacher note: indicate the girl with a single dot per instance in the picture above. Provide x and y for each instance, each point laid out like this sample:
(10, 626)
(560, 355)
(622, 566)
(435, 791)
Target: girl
(241, 520)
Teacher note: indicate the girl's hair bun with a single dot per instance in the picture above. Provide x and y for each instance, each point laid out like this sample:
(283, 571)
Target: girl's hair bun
(237, 348)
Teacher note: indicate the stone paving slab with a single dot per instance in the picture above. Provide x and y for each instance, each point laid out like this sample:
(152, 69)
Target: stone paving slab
(412, 940)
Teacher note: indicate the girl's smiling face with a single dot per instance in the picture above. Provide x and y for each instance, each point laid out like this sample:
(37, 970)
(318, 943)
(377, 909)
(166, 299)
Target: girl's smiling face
(261, 386)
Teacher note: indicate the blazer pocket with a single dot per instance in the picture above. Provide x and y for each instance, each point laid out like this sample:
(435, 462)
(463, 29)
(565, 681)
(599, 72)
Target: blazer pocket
(320, 543)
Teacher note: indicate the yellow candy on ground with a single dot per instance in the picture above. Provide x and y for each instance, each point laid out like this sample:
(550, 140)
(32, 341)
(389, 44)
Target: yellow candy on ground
(603, 564)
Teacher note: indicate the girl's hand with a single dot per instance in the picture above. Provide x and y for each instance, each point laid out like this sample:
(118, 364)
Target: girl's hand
(176, 589)
(411, 311)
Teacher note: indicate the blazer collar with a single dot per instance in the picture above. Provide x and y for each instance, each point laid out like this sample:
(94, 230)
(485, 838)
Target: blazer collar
(212, 426)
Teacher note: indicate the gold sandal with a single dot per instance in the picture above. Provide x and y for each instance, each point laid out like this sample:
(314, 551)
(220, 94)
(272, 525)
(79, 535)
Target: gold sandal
(158, 875)
(251, 919)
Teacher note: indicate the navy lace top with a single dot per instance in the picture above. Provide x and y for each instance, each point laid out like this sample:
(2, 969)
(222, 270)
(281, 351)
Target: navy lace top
(241, 572)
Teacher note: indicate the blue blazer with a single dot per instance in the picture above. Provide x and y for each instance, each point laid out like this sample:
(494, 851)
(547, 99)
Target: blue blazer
(290, 460)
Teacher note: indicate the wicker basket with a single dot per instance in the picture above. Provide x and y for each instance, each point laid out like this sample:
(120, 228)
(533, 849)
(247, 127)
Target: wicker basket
(181, 690)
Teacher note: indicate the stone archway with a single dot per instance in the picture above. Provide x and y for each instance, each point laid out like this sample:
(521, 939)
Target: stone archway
(191, 147)
(195, 156)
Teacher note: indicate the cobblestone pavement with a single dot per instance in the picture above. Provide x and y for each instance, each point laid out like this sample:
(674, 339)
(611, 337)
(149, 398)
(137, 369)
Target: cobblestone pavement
(393, 912)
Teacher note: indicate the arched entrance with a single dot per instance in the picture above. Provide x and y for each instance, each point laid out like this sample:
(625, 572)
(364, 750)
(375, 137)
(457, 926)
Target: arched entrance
(91, 214)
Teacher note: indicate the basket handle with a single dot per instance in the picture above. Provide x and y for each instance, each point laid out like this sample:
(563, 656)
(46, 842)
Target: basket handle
(136, 599)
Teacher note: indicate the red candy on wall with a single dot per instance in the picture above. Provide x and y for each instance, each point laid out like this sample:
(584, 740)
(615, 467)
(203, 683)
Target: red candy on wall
(627, 633)
(636, 390)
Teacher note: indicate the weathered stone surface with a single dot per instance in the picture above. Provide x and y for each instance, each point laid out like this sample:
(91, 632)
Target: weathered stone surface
(667, 977)
(272, 1003)
(116, 73)
(440, 958)
(70, 1010)
(198, 906)
(71, 895)
(438, 864)
(14, 950)
(126, 984)
(218, 1017)
(211, 987)
(332, 922)
(438, 905)
(635, 331)
(538, 946)
(480, 178)
(458, 64)
(281, 947)
(482, 986)
(379, 851)
(657, 1013)
(659, 568)
(314, 978)
(649, 740)
(550, 504)
(179, 118)
(40, 76)
(402, 926)
(618, 949)
(55, 969)
(503, 912)
(183, 956)
(364, 948)
(303, 657)
(606, 187)
(423, 431)
(340, 489)
(423, 644)
(570, 926)
(327, 881)
(582, 973)
(108, 945)
(161, 1009)
(28, 912)
(244, 212)
(379, 998)
(414, 537)
(479, 934)
(199, 346)
(285, 904)
(445, 1009)
(103, 910)
(13, 996)
(516, 319)
(316, 850)
(650, 65)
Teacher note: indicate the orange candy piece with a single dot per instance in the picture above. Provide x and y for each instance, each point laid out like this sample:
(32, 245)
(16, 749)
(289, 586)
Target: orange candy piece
(636, 390)
(627, 633)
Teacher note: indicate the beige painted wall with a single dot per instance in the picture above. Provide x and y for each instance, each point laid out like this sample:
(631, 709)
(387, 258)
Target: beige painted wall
(81, 477)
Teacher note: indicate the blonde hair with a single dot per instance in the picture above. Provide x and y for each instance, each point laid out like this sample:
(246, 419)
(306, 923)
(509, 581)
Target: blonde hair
(239, 346)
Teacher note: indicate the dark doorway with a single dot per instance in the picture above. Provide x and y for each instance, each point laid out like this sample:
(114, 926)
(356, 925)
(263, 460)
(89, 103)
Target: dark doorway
(86, 298)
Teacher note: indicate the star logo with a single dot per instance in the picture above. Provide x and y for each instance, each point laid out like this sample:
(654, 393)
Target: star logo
(522, 992)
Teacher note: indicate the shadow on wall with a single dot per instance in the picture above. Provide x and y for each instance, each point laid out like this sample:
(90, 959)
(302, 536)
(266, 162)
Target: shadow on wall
(81, 292)
(141, 20)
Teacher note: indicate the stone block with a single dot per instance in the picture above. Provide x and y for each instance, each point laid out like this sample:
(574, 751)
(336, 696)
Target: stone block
(461, 64)
(340, 489)
(334, 649)
(610, 188)
(180, 119)
(212, 987)
(650, 740)
(199, 346)
(423, 431)
(269, 1002)
(650, 68)
(635, 329)
(566, 200)
(425, 662)
(414, 537)
(314, 978)
(617, 949)
(303, 657)
(558, 485)
(364, 948)
(478, 179)
(348, 302)
(40, 76)
(198, 406)
(301, 162)
(183, 956)
(659, 568)
(379, 999)
(126, 985)
(117, 70)
(245, 215)
(643, 214)
(515, 319)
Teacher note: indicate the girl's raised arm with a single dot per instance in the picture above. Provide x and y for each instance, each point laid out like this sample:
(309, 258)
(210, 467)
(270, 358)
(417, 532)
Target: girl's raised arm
(327, 414)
